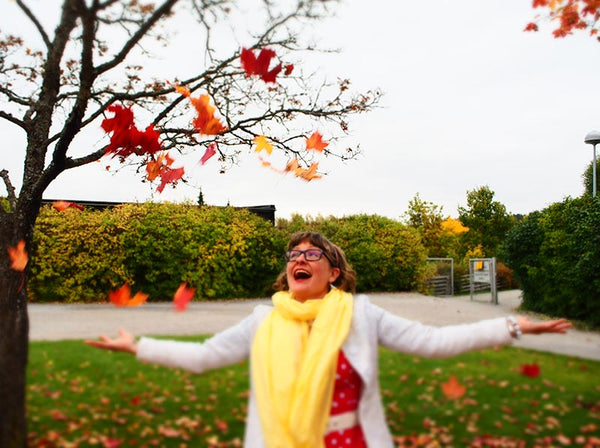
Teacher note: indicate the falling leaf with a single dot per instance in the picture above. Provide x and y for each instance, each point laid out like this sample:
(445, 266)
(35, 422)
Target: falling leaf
(182, 297)
(61, 206)
(122, 297)
(211, 150)
(262, 143)
(18, 256)
(253, 65)
(161, 166)
(126, 139)
(315, 141)
(530, 370)
(453, 389)
(287, 70)
(205, 122)
(303, 173)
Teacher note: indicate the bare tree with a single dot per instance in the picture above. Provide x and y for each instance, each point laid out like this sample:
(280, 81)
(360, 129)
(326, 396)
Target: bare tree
(98, 56)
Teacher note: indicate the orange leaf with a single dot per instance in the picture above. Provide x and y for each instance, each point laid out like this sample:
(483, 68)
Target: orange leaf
(453, 389)
(122, 297)
(63, 205)
(316, 142)
(182, 297)
(18, 256)
(205, 122)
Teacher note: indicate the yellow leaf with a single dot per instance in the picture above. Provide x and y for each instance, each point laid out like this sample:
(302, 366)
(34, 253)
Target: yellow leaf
(262, 143)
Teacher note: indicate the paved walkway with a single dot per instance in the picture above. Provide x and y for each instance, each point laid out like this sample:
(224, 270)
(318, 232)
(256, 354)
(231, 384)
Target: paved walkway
(55, 322)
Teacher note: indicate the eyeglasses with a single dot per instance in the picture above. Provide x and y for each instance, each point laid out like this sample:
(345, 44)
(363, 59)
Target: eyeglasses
(309, 254)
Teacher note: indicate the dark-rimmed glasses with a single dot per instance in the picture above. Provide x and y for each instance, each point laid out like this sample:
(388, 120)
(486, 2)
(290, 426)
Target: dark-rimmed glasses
(309, 254)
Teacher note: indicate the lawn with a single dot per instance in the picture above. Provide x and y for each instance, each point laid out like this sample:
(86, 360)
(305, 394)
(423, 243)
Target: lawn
(79, 397)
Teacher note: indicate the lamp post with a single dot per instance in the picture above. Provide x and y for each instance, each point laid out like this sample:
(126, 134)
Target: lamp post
(593, 138)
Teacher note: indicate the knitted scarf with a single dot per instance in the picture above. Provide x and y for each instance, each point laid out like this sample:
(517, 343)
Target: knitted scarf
(293, 367)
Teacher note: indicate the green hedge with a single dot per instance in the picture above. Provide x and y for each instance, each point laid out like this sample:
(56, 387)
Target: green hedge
(223, 252)
(386, 254)
(555, 254)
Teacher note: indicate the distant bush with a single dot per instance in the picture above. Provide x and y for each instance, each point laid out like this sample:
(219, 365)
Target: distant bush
(555, 255)
(386, 254)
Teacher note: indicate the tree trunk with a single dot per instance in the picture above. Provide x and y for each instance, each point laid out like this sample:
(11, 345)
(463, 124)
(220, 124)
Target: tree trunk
(14, 343)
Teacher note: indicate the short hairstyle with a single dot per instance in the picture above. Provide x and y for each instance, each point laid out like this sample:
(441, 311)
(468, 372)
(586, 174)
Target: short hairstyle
(346, 281)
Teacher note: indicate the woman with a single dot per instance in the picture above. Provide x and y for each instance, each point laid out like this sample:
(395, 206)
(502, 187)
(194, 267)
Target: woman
(314, 354)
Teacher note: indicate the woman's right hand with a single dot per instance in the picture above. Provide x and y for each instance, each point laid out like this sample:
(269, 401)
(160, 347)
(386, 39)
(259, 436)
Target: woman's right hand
(125, 342)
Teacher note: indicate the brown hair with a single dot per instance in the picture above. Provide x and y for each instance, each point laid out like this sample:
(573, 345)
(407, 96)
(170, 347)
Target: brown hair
(346, 281)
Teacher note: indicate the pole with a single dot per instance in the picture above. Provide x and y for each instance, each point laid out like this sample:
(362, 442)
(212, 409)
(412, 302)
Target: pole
(594, 173)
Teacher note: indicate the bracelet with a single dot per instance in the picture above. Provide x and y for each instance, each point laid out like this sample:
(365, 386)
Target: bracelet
(513, 327)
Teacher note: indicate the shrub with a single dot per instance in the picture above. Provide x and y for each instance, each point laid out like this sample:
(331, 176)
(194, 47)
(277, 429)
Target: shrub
(555, 255)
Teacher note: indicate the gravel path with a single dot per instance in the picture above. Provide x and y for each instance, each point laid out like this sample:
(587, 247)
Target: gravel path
(55, 322)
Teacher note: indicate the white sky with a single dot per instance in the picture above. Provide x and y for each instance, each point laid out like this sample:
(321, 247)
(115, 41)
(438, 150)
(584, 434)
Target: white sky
(470, 100)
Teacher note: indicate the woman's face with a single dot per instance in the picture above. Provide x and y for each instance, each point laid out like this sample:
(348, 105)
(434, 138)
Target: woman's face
(310, 279)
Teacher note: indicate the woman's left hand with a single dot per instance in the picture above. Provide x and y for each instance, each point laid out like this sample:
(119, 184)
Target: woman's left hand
(548, 326)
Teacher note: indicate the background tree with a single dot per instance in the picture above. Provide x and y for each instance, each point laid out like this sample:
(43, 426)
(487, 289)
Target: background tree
(588, 180)
(95, 69)
(427, 218)
(487, 220)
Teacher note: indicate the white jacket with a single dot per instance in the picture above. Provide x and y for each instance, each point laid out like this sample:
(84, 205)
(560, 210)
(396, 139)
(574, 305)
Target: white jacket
(371, 327)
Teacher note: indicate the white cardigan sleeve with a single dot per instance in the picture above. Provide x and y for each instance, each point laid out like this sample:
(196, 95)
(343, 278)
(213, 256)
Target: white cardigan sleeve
(225, 348)
(412, 337)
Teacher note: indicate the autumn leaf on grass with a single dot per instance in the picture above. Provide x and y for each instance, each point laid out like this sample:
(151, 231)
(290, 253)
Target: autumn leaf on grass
(18, 257)
(182, 297)
(315, 141)
(205, 122)
(211, 150)
(261, 143)
(254, 65)
(61, 206)
(530, 370)
(126, 138)
(122, 297)
(452, 389)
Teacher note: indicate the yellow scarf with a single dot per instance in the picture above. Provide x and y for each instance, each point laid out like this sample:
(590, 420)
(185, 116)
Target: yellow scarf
(293, 367)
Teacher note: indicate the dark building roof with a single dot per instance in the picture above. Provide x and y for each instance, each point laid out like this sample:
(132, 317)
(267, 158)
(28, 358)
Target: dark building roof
(264, 211)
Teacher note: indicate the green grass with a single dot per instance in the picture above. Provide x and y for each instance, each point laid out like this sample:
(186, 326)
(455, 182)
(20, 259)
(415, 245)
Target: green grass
(79, 396)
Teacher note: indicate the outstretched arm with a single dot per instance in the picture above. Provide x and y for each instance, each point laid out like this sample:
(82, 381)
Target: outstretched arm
(125, 342)
(550, 326)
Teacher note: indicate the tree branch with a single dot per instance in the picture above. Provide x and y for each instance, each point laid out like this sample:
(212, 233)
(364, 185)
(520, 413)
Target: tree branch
(36, 22)
(139, 34)
(12, 197)
(13, 119)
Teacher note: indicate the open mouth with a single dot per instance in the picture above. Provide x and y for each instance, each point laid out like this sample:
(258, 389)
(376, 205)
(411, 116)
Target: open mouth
(301, 274)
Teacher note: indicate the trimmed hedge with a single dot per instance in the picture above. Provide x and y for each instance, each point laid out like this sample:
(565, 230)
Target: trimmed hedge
(222, 252)
(555, 255)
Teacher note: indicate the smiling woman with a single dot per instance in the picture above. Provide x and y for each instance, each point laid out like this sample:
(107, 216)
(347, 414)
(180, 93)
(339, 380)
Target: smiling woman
(314, 353)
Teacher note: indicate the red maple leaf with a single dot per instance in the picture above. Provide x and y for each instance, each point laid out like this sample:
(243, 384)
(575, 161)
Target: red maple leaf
(126, 139)
(253, 65)
(530, 370)
(287, 70)
(210, 151)
(162, 167)
(453, 389)
(18, 257)
(168, 176)
(122, 297)
(182, 297)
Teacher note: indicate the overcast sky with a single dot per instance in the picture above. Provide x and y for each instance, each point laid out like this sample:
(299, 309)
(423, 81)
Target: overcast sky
(470, 100)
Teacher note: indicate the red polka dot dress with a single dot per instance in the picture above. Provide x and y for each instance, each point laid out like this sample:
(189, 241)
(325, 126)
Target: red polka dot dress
(346, 394)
